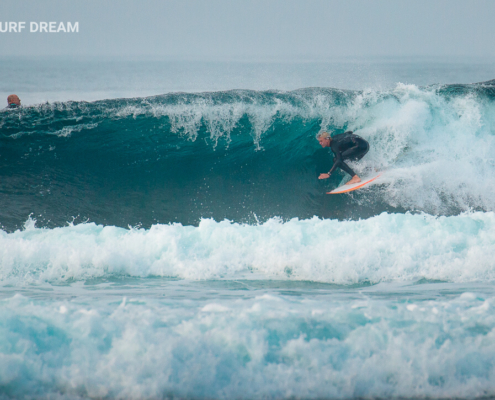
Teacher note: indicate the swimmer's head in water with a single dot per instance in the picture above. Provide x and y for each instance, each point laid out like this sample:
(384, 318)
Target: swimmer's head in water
(13, 100)
(324, 138)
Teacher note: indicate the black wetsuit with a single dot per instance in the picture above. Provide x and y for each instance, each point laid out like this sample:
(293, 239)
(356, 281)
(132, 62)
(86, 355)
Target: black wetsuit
(347, 146)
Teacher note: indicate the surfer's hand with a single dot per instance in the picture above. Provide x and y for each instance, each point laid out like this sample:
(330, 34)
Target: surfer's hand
(324, 176)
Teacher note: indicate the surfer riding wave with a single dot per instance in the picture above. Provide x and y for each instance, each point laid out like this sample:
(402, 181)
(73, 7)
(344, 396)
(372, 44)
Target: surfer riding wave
(345, 146)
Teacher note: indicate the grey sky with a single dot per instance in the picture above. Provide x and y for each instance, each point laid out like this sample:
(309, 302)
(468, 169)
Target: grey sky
(252, 29)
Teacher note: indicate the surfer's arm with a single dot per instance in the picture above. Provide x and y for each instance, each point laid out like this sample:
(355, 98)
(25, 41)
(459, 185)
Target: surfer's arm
(336, 162)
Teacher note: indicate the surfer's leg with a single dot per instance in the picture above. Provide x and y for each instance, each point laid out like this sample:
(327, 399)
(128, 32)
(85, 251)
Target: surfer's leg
(354, 177)
(354, 155)
(344, 167)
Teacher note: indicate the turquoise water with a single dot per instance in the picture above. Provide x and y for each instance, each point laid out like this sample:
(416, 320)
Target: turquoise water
(135, 338)
(179, 245)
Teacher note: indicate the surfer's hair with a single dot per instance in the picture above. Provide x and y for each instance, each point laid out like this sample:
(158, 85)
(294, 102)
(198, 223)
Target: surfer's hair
(322, 135)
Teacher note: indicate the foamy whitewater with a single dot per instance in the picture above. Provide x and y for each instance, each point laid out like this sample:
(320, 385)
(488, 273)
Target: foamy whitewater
(181, 246)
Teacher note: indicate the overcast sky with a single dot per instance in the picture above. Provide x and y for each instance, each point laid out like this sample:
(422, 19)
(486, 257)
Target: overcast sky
(252, 29)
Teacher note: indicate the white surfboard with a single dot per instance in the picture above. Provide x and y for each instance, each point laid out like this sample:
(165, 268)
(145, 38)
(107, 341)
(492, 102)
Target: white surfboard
(349, 188)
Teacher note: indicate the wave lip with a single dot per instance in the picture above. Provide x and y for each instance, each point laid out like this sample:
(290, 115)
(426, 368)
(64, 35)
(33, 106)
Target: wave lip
(388, 247)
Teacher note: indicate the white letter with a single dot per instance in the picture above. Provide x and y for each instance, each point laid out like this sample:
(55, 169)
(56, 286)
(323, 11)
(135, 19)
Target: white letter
(12, 26)
(61, 27)
(22, 25)
(43, 26)
(74, 28)
(52, 27)
(6, 27)
(32, 26)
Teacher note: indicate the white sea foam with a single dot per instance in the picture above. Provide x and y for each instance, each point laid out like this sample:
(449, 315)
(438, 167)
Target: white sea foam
(249, 348)
(387, 247)
(440, 151)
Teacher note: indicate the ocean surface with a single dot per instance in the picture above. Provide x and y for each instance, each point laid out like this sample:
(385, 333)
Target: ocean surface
(163, 233)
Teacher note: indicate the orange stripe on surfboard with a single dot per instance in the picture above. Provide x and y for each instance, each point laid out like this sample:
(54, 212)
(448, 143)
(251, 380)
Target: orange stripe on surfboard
(343, 189)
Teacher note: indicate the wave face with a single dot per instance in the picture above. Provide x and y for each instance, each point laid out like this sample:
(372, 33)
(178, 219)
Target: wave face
(388, 247)
(245, 156)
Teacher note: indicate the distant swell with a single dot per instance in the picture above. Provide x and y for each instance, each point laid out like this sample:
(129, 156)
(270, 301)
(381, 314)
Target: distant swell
(245, 155)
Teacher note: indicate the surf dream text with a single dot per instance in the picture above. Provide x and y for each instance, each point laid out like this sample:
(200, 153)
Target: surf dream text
(39, 27)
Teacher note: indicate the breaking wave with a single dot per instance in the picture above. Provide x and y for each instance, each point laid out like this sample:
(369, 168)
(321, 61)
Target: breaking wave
(388, 247)
(245, 156)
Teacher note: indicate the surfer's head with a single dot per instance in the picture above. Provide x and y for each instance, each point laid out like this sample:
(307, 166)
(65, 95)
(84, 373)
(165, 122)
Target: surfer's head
(13, 101)
(324, 138)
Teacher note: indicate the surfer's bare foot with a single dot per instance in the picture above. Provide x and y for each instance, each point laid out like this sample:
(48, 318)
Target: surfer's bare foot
(355, 179)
